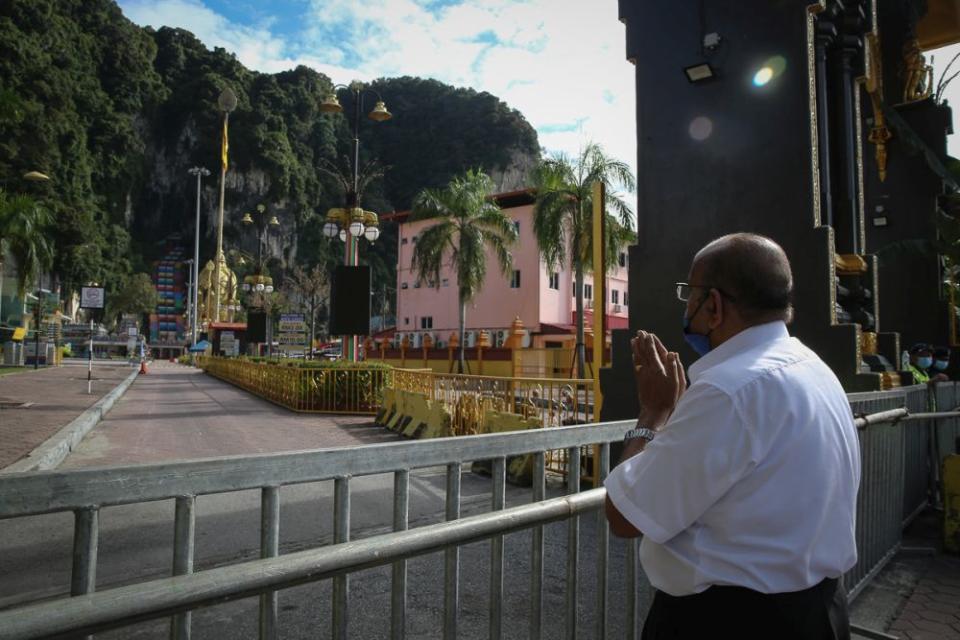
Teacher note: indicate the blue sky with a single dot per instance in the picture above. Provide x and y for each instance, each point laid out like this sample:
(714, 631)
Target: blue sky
(560, 62)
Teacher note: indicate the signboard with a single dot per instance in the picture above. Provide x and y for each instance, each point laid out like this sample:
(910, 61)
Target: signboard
(292, 323)
(228, 343)
(131, 346)
(293, 339)
(132, 332)
(91, 297)
(18, 334)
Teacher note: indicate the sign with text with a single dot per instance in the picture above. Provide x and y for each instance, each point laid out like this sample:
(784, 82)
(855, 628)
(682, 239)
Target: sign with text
(228, 342)
(293, 339)
(292, 323)
(91, 297)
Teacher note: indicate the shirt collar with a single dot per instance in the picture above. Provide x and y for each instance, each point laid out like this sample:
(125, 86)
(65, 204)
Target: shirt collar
(743, 341)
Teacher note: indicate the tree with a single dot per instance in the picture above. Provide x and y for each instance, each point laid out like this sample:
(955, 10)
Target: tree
(562, 216)
(24, 225)
(137, 295)
(310, 288)
(468, 224)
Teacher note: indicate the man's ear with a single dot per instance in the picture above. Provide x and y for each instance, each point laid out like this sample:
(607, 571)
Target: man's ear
(718, 312)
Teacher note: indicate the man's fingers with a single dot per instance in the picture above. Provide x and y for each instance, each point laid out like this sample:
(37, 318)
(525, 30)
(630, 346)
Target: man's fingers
(650, 355)
(683, 375)
(639, 355)
(661, 350)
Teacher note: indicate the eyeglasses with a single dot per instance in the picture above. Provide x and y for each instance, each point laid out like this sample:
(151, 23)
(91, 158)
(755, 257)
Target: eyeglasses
(685, 290)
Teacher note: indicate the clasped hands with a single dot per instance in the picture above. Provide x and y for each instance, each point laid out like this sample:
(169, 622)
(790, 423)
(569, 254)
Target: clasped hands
(659, 376)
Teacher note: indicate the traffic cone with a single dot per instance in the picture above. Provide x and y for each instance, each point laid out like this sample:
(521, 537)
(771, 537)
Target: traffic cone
(143, 367)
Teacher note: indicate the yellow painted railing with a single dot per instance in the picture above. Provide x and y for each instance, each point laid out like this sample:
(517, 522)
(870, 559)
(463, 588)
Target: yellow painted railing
(353, 389)
(553, 402)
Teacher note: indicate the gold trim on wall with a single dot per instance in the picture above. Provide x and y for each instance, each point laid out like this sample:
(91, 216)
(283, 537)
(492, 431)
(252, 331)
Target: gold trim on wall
(860, 82)
(812, 12)
(833, 276)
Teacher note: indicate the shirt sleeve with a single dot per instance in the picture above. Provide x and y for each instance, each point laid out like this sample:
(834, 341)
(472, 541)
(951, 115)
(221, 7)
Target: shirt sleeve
(702, 451)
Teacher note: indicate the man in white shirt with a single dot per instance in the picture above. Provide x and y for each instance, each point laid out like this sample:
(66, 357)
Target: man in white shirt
(744, 485)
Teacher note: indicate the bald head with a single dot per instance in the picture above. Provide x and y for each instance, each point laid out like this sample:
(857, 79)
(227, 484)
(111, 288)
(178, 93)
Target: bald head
(752, 271)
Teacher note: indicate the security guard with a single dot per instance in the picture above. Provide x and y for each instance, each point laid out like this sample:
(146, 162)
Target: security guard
(921, 359)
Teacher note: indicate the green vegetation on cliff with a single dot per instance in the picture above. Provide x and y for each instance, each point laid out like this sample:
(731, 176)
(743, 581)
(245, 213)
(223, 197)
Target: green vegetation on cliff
(116, 114)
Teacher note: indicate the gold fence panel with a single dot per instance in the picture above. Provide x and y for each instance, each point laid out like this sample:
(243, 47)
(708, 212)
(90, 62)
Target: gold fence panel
(352, 390)
(554, 402)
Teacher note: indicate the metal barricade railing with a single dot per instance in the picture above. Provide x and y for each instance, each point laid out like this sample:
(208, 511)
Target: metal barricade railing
(86, 492)
(353, 390)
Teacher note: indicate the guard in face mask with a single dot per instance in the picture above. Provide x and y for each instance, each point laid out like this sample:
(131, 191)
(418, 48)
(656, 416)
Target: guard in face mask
(941, 362)
(921, 360)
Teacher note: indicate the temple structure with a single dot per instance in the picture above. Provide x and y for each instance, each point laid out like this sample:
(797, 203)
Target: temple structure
(816, 124)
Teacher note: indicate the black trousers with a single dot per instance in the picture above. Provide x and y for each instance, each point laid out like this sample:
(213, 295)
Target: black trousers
(817, 613)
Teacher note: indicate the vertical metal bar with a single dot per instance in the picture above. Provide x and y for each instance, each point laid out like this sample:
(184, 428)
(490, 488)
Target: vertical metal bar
(573, 543)
(183, 541)
(401, 515)
(496, 552)
(536, 552)
(603, 548)
(631, 589)
(86, 534)
(341, 533)
(451, 599)
(269, 548)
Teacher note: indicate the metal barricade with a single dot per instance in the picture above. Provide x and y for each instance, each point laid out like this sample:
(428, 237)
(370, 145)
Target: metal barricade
(86, 492)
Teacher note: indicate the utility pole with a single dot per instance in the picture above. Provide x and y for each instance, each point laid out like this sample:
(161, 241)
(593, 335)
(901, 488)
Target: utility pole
(200, 173)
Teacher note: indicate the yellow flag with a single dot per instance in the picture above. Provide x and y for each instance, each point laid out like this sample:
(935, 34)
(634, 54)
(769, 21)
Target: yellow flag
(226, 145)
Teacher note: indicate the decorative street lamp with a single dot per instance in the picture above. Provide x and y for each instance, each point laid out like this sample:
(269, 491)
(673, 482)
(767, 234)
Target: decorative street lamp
(263, 226)
(351, 222)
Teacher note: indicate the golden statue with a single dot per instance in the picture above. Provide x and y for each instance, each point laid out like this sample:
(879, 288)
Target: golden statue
(206, 293)
(879, 135)
(918, 75)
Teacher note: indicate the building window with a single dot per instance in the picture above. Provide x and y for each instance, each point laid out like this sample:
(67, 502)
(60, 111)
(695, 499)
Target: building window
(615, 296)
(426, 322)
(406, 321)
(588, 291)
(416, 285)
(573, 288)
(516, 225)
(515, 280)
(446, 282)
(623, 259)
(415, 239)
(403, 286)
(403, 241)
(555, 281)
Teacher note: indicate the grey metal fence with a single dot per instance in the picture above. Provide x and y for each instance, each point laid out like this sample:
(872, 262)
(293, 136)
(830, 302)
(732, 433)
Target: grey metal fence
(882, 505)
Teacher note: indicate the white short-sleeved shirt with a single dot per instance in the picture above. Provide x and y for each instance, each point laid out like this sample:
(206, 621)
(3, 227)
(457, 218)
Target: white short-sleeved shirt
(753, 480)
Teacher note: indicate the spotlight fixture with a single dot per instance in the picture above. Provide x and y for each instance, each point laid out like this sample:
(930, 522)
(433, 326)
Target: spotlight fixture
(699, 72)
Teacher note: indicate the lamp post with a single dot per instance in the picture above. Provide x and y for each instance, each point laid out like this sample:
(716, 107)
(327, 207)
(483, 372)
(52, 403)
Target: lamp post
(261, 282)
(200, 173)
(351, 222)
(227, 102)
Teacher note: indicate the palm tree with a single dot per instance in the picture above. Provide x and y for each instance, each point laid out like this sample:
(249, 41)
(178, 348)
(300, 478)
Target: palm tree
(468, 224)
(563, 212)
(23, 228)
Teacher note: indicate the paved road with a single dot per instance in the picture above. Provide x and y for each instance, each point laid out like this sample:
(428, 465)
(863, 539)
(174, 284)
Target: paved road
(176, 413)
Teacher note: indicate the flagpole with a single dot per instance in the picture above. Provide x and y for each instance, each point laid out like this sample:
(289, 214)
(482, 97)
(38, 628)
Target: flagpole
(227, 102)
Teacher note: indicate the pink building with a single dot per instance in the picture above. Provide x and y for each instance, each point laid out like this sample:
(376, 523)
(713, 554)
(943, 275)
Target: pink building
(543, 300)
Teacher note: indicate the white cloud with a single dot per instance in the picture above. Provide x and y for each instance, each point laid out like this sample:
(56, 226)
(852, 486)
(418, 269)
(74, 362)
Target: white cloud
(559, 62)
